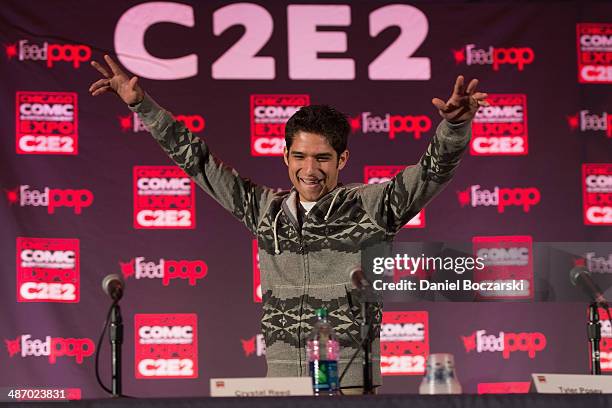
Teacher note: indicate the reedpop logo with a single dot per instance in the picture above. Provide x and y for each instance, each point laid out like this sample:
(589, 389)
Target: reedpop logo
(166, 270)
(495, 56)
(585, 121)
(524, 197)
(506, 343)
(51, 347)
(132, 123)
(254, 346)
(367, 123)
(51, 198)
(51, 53)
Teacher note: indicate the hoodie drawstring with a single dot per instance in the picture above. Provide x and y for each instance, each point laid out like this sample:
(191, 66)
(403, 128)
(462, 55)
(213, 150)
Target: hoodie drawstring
(331, 205)
(276, 248)
(274, 225)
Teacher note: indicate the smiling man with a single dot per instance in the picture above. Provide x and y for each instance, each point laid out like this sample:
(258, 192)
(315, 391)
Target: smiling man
(315, 152)
(313, 164)
(311, 236)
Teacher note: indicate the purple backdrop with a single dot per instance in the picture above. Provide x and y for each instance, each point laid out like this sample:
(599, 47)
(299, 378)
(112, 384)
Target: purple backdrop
(381, 64)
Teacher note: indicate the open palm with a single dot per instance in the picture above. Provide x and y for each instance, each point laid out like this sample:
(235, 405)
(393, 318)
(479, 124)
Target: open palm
(116, 81)
(463, 103)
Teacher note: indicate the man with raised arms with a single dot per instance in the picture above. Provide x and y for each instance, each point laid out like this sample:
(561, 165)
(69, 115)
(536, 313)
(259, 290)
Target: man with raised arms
(310, 236)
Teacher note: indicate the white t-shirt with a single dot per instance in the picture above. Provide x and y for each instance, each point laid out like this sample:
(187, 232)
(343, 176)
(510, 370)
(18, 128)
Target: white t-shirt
(308, 205)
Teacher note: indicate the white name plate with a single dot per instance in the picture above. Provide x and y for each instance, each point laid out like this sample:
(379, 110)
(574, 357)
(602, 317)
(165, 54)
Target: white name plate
(260, 387)
(572, 384)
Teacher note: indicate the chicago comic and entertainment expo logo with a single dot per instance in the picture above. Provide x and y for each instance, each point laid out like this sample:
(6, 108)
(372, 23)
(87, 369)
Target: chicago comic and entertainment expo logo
(606, 342)
(269, 113)
(48, 270)
(257, 292)
(506, 258)
(46, 123)
(166, 345)
(404, 343)
(164, 198)
(594, 49)
(597, 193)
(382, 174)
(501, 129)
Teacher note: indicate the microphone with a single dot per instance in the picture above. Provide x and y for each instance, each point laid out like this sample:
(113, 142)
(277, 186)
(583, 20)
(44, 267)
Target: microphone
(580, 276)
(113, 286)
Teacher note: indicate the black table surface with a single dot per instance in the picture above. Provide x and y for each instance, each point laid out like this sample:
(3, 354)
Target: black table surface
(366, 401)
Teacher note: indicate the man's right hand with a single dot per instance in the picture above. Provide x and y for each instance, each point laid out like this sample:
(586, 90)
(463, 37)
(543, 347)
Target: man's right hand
(116, 81)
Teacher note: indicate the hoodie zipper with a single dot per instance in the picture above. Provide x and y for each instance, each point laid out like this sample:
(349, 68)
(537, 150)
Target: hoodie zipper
(306, 282)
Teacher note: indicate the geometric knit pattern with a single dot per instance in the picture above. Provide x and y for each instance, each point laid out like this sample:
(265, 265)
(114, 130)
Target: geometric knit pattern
(306, 267)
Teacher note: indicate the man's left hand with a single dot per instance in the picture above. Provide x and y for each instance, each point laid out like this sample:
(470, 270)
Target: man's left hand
(463, 103)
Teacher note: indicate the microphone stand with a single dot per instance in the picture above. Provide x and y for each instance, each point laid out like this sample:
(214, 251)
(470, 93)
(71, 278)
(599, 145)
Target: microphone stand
(366, 292)
(366, 345)
(116, 340)
(594, 336)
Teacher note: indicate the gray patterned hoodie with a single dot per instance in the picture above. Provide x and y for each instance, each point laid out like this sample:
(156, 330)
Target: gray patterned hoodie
(304, 268)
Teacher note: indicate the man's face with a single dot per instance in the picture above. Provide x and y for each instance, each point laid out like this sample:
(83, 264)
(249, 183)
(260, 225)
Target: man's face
(313, 165)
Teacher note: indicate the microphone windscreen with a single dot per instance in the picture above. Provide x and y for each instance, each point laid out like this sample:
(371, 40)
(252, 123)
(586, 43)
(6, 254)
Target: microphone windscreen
(108, 280)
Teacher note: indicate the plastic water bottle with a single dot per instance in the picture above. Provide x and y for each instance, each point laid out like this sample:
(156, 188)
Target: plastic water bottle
(440, 377)
(323, 351)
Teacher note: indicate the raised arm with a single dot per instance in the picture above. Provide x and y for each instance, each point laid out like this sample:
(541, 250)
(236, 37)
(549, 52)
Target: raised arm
(394, 203)
(244, 199)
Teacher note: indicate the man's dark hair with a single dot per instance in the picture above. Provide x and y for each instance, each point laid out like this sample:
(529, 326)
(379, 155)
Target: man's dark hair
(323, 120)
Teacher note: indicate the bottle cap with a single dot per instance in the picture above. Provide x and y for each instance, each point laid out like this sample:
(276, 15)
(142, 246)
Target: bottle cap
(321, 313)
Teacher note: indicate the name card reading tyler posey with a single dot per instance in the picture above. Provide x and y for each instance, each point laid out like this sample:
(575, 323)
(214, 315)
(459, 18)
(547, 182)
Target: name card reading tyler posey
(403, 265)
